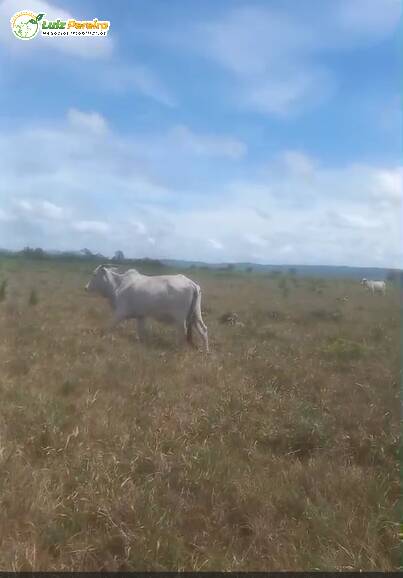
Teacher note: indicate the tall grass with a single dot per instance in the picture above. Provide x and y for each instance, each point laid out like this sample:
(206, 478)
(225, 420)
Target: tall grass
(279, 451)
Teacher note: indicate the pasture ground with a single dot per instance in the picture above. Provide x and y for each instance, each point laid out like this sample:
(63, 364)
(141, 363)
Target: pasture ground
(278, 451)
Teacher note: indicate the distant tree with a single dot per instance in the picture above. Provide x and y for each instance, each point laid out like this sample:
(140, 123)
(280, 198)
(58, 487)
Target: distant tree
(31, 253)
(230, 267)
(86, 253)
(118, 256)
(39, 253)
(249, 269)
(292, 271)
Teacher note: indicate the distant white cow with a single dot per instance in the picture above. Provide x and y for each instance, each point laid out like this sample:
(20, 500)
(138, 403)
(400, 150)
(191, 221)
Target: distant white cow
(374, 286)
(166, 298)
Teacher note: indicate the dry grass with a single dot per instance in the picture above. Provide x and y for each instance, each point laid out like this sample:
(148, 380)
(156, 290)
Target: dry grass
(279, 451)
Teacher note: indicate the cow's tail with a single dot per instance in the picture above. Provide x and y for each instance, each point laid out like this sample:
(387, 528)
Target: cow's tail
(190, 319)
(194, 316)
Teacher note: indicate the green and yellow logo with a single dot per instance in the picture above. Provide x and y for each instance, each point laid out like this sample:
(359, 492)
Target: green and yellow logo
(25, 25)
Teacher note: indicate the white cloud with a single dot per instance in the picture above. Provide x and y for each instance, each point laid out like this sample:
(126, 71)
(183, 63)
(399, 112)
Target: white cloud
(366, 20)
(40, 209)
(52, 211)
(81, 47)
(299, 163)
(96, 227)
(215, 244)
(287, 249)
(92, 121)
(5, 217)
(387, 186)
(139, 227)
(275, 54)
(284, 94)
(267, 52)
(353, 220)
(255, 240)
(140, 79)
(207, 145)
(104, 194)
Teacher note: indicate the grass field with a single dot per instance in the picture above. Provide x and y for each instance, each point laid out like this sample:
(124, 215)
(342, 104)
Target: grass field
(278, 451)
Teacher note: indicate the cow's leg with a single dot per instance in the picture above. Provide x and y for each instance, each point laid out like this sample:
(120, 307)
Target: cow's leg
(189, 334)
(141, 329)
(202, 331)
(181, 331)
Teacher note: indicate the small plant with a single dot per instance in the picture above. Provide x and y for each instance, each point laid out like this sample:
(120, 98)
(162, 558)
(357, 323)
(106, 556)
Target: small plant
(229, 318)
(67, 387)
(377, 333)
(33, 297)
(276, 315)
(36, 19)
(343, 349)
(3, 287)
(325, 315)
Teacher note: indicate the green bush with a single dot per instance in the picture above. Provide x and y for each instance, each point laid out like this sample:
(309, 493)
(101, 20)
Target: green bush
(343, 349)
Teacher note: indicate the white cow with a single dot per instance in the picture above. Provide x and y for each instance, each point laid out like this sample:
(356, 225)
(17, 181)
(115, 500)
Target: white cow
(167, 298)
(374, 286)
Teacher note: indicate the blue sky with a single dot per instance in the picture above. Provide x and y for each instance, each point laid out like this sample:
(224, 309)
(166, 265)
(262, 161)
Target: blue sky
(266, 131)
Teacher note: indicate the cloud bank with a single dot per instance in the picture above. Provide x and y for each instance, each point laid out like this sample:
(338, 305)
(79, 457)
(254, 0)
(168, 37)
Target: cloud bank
(83, 184)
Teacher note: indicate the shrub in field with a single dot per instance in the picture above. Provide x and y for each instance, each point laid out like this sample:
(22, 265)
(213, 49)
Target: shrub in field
(33, 297)
(326, 315)
(229, 318)
(300, 432)
(377, 333)
(276, 315)
(343, 349)
(67, 387)
(3, 287)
